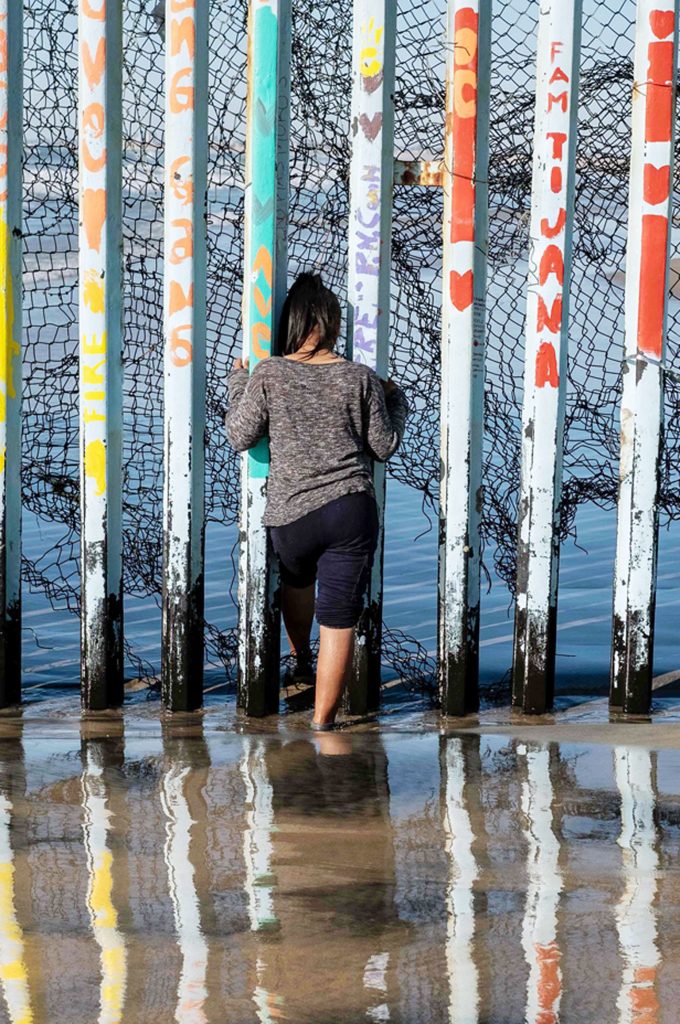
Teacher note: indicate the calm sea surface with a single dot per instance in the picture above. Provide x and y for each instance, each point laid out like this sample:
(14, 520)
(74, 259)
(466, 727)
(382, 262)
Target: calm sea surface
(51, 643)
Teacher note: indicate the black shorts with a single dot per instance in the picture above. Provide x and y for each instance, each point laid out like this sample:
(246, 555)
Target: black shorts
(336, 545)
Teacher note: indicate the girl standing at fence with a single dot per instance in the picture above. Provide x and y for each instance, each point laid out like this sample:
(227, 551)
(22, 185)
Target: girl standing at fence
(326, 418)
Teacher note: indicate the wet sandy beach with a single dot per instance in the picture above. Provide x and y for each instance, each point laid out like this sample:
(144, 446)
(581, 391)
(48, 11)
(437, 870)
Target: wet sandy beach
(198, 871)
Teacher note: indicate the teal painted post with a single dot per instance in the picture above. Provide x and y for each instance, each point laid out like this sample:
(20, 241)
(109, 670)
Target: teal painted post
(11, 91)
(264, 287)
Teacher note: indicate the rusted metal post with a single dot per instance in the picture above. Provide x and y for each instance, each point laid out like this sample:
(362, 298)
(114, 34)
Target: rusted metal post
(647, 261)
(186, 155)
(100, 301)
(635, 912)
(368, 287)
(539, 930)
(264, 290)
(545, 375)
(465, 241)
(11, 110)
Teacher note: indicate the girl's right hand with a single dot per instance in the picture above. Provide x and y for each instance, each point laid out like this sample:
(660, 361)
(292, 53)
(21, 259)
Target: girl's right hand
(241, 364)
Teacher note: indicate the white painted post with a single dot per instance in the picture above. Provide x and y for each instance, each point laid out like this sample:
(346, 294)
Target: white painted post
(539, 929)
(647, 260)
(465, 242)
(368, 287)
(100, 300)
(11, 131)
(14, 978)
(257, 838)
(100, 902)
(545, 377)
(186, 155)
(463, 975)
(264, 291)
(635, 912)
(192, 991)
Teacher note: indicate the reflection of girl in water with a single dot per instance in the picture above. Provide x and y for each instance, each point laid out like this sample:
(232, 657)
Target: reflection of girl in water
(326, 418)
(334, 864)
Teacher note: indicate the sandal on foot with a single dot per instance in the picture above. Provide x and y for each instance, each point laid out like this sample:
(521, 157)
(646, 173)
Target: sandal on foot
(323, 726)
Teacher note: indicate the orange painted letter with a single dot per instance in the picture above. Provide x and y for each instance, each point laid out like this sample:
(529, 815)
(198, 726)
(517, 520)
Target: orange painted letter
(546, 366)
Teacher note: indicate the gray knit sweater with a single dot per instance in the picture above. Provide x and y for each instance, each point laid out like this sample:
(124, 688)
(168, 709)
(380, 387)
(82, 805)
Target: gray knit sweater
(325, 423)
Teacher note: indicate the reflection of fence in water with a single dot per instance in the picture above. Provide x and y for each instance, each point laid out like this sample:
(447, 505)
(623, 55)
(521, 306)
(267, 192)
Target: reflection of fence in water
(129, 845)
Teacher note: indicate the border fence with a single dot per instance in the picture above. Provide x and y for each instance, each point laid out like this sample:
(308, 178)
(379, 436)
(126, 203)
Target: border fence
(380, 143)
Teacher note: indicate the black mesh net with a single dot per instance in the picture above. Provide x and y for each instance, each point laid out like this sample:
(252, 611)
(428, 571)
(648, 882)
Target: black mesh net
(318, 229)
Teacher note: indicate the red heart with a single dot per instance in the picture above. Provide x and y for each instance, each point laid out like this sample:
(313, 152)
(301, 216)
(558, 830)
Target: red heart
(662, 23)
(657, 183)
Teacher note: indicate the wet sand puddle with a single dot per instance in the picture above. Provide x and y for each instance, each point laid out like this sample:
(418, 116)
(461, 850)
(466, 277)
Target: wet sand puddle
(194, 874)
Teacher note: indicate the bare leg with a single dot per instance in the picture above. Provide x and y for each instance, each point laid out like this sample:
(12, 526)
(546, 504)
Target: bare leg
(297, 607)
(335, 659)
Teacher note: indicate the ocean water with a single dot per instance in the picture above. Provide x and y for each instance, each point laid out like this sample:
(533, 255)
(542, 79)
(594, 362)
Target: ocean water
(51, 639)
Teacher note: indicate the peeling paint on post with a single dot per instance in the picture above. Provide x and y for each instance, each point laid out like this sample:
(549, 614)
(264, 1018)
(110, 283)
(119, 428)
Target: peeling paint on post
(647, 261)
(186, 154)
(552, 214)
(11, 97)
(264, 290)
(100, 302)
(368, 289)
(465, 241)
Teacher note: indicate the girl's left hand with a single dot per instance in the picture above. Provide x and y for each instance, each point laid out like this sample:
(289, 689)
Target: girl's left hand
(241, 364)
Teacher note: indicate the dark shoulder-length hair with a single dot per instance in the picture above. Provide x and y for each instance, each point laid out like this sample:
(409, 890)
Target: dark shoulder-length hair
(309, 304)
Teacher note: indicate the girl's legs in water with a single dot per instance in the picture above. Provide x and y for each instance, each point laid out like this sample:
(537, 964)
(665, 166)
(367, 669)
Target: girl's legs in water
(335, 652)
(332, 672)
(297, 608)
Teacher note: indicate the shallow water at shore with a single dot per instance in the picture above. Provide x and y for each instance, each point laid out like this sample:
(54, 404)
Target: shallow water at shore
(197, 869)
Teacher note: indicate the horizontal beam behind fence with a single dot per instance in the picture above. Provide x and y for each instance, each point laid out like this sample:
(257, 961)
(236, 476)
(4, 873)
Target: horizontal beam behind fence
(264, 288)
(100, 306)
(545, 375)
(647, 262)
(11, 110)
(186, 155)
(368, 287)
(465, 243)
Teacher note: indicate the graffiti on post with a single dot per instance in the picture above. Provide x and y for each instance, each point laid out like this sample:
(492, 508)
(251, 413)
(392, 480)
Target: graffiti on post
(546, 354)
(465, 242)
(261, 178)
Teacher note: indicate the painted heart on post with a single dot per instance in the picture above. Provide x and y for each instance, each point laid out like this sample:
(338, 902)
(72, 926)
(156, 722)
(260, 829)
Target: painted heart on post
(662, 23)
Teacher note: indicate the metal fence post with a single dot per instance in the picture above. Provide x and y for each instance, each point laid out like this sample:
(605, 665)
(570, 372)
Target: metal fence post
(186, 145)
(642, 412)
(264, 288)
(368, 288)
(465, 241)
(547, 319)
(11, 131)
(100, 304)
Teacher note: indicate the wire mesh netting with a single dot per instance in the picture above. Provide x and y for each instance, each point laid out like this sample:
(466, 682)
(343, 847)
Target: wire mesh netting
(320, 140)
